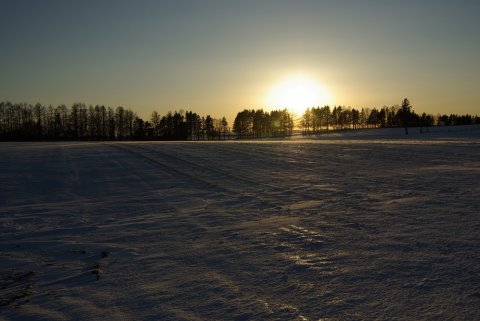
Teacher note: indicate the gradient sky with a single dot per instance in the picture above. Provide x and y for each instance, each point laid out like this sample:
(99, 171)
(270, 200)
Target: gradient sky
(219, 57)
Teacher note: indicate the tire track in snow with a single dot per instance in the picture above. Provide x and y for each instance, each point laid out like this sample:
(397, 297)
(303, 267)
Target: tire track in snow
(267, 195)
(232, 177)
(267, 190)
(169, 168)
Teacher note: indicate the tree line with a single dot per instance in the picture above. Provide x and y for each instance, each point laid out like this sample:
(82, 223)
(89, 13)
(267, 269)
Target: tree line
(320, 119)
(186, 126)
(21, 121)
(251, 123)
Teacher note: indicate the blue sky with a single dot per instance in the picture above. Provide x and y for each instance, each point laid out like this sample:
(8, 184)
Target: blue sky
(218, 57)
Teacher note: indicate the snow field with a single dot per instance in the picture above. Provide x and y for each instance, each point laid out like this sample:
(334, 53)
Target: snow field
(367, 227)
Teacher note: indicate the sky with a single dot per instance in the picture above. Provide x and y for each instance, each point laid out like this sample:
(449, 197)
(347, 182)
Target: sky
(220, 57)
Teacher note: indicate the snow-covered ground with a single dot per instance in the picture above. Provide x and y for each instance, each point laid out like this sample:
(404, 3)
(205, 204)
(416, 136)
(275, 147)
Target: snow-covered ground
(354, 226)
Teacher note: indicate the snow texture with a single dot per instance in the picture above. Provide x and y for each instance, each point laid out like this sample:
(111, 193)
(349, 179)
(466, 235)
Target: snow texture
(364, 225)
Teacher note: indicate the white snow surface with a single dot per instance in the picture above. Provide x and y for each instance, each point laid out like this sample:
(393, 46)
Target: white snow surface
(360, 225)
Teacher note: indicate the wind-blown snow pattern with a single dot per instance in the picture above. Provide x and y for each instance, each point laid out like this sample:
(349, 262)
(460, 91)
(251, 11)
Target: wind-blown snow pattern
(369, 225)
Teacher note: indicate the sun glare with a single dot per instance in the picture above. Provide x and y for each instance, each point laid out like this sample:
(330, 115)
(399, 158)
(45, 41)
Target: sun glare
(297, 94)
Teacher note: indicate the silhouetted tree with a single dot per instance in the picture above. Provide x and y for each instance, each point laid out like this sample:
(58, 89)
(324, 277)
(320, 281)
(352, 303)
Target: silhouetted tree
(224, 126)
(243, 123)
(405, 114)
(209, 127)
(139, 128)
(155, 123)
(306, 121)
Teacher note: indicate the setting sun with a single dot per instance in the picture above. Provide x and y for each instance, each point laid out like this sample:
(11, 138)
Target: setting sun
(297, 94)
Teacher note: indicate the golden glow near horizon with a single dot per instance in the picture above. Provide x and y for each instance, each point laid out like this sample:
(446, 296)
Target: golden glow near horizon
(298, 93)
